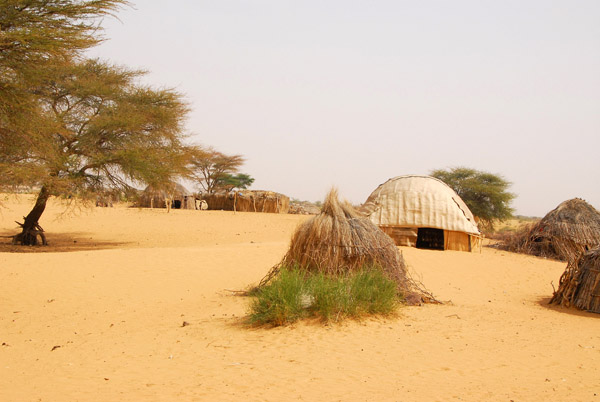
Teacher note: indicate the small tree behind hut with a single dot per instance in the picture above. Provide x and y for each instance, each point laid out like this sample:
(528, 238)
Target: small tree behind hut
(211, 168)
(239, 181)
(485, 194)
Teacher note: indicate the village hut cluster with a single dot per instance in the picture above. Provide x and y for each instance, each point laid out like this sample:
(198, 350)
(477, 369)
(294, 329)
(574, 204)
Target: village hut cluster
(415, 211)
(178, 197)
(248, 201)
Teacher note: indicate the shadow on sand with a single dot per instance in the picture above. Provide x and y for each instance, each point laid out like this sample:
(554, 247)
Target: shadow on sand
(58, 243)
(545, 302)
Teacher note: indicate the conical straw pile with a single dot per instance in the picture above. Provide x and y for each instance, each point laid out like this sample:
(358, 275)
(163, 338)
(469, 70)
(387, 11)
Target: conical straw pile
(339, 240)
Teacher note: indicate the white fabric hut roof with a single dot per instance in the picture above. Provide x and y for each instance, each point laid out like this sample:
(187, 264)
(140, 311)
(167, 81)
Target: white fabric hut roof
(419, 201)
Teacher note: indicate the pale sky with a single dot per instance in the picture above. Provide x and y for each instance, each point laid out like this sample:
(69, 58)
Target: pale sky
(322, 93)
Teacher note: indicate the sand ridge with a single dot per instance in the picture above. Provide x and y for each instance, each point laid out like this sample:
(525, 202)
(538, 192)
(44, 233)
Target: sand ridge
(141, 308)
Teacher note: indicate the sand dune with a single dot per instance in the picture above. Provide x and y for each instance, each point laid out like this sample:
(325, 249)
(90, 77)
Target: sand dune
(99, 316)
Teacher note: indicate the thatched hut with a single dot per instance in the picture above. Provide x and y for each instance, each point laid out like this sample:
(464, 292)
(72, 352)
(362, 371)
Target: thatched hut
(248, 201)
(175, 196)
(423, 212)
(580, 283)
(565, 232)
(339, 240)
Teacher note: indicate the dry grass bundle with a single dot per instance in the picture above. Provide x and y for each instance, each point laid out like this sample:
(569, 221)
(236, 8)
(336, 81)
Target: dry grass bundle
(515, 241)
(339, 241)
(564, 233)
(580, 283)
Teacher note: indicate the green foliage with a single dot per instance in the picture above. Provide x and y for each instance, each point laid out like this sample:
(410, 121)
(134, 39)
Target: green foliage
(295, 294)
(36, 35)
(279, 303)
(100, 130)
(485, 194)
(240, 181)
(72, 126)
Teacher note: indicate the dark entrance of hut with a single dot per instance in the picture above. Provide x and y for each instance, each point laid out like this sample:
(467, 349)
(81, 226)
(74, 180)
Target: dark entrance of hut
(176, 204)
(429, 238)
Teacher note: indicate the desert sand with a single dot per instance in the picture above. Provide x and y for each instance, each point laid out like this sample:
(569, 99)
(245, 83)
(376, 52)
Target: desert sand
(139, 305)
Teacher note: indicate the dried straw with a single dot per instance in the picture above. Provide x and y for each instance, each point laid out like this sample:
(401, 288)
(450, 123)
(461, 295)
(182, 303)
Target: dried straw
(563, 234)
(339, 240)
(580, 283)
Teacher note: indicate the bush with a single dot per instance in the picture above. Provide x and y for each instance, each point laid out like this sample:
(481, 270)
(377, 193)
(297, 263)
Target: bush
(295, 294)
(280, 302)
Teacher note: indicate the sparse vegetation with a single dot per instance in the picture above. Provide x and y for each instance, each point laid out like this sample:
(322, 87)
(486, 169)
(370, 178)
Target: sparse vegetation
(297, 294)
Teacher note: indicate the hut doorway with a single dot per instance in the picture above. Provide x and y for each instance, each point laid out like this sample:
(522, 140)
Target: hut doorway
(176, 204)
(430, 238)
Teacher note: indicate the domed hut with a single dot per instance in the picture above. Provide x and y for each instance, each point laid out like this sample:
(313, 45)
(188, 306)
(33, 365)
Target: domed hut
(175, 196)
(422, 212)
(565, 232)
(339, 240)
(580, 283)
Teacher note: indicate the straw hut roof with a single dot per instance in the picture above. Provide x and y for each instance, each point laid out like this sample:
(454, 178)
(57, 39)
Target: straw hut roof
(175, 193)
(580, 283)
(565, 232)
(339, 240)
(178, 190)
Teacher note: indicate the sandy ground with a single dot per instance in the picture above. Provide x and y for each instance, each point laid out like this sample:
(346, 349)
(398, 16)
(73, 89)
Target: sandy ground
(99, 317)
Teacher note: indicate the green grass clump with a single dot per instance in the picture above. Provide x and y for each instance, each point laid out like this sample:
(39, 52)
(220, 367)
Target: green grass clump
(279, 303)
(296, 294)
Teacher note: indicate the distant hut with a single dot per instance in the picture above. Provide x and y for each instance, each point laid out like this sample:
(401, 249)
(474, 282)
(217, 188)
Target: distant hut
(248, 201)
(565, 232)
(422, 212)
(339, 240)
(580, 283)
(176, 197)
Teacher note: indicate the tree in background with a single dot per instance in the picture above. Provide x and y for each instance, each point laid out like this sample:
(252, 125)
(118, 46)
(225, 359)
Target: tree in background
(240, 181)
(211, 168)
(485, 194)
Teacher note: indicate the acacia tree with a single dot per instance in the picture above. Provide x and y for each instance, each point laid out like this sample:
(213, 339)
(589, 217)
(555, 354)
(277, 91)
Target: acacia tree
(35, 34)
(241, 181)
(485, 194)
(212, 167)
(70, 126)
(100, 131)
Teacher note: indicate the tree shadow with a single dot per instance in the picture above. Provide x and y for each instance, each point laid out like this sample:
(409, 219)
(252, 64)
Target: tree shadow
(545, 302)
(58, 243)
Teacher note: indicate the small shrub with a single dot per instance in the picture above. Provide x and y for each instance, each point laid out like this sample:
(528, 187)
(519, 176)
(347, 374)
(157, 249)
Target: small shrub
(280, 302)
(373, 293)
(294, 294)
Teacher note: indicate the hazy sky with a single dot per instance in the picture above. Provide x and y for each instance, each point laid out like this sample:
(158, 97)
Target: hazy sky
(348, 93)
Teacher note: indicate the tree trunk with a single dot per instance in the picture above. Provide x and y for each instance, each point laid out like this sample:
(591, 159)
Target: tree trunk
(31, 227)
